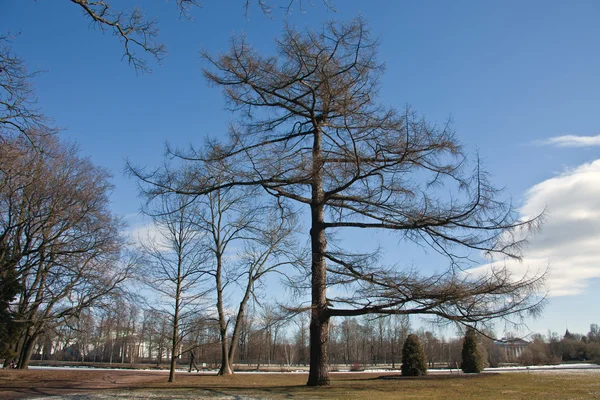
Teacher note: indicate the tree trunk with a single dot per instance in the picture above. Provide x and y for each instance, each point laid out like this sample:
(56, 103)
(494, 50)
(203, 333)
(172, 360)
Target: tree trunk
(112, 348)
(173, 366)
(123, 348)
(26, 351)
(174, 341)
(319, 317)
(238, 323)
(319, 363)
(175, 333)
(225, 367)
(394, 351)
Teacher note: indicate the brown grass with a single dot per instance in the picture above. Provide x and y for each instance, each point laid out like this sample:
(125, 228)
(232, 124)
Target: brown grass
(528, 386)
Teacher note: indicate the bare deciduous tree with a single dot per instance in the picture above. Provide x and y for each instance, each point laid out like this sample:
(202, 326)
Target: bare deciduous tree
(174, 266)
(311, 133)
(262, 236)
(265, 251)
(57, 233)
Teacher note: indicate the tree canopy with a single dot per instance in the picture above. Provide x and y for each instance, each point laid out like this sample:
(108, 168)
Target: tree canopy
(58, 238)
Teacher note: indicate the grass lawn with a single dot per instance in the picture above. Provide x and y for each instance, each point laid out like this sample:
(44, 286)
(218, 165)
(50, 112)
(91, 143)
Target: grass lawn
(136, 384)
(543, 386)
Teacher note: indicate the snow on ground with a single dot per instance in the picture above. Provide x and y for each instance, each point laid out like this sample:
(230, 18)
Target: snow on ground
(196, 394)
(536, 368)
(533, 368)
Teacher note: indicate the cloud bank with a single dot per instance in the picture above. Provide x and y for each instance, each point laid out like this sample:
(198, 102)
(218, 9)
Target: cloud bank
(569, 240)
(573, 141)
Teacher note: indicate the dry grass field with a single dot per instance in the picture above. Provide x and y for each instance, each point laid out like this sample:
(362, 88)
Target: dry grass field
(90, 384)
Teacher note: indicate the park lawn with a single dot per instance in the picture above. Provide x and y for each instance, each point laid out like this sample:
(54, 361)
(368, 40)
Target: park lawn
(527, 386)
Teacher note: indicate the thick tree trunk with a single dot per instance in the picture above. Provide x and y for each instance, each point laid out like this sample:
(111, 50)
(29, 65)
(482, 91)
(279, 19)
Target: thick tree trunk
(319, 317)
(225, 365)
(319, 355)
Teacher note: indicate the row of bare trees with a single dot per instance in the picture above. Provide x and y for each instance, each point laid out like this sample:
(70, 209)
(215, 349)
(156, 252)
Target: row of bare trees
(123, 333)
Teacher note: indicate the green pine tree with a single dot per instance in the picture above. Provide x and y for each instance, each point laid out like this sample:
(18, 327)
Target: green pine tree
(414, 360)
(472, 361)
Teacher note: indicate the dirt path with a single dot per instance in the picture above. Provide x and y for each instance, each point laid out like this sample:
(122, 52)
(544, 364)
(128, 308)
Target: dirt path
(133, 384)
(90, 384)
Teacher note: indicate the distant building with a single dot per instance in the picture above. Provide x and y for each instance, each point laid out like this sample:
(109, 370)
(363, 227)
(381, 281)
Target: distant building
(513, 348)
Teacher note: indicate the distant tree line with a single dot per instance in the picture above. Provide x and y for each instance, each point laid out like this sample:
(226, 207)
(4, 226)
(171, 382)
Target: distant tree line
(123, 333)
(571, 347)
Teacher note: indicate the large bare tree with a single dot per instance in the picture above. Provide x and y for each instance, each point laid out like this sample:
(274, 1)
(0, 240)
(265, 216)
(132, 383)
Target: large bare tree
(311, 132)
(57, 234)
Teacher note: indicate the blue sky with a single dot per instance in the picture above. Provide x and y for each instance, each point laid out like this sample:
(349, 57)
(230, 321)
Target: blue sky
(511, 75)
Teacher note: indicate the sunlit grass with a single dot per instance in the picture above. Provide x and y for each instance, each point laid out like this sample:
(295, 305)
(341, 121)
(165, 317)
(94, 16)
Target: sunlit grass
(528, 386)
(544, 386)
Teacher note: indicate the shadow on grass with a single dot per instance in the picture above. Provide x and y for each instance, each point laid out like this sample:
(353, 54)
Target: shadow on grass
(436, 377)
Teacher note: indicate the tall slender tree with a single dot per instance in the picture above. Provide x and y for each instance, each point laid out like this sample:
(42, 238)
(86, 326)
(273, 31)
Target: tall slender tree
(311, 132)
(233, 217)
(175, 266)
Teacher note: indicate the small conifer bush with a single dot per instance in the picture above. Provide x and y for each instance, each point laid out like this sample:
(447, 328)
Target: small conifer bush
(472, 361)
(414, 360)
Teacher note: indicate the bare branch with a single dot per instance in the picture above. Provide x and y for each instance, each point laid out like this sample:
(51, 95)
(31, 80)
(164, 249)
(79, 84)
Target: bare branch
(19, 113)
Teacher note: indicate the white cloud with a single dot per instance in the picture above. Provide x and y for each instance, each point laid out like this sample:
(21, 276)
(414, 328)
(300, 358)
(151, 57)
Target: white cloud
(145, 232)
(569, 240)
(573, 141)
